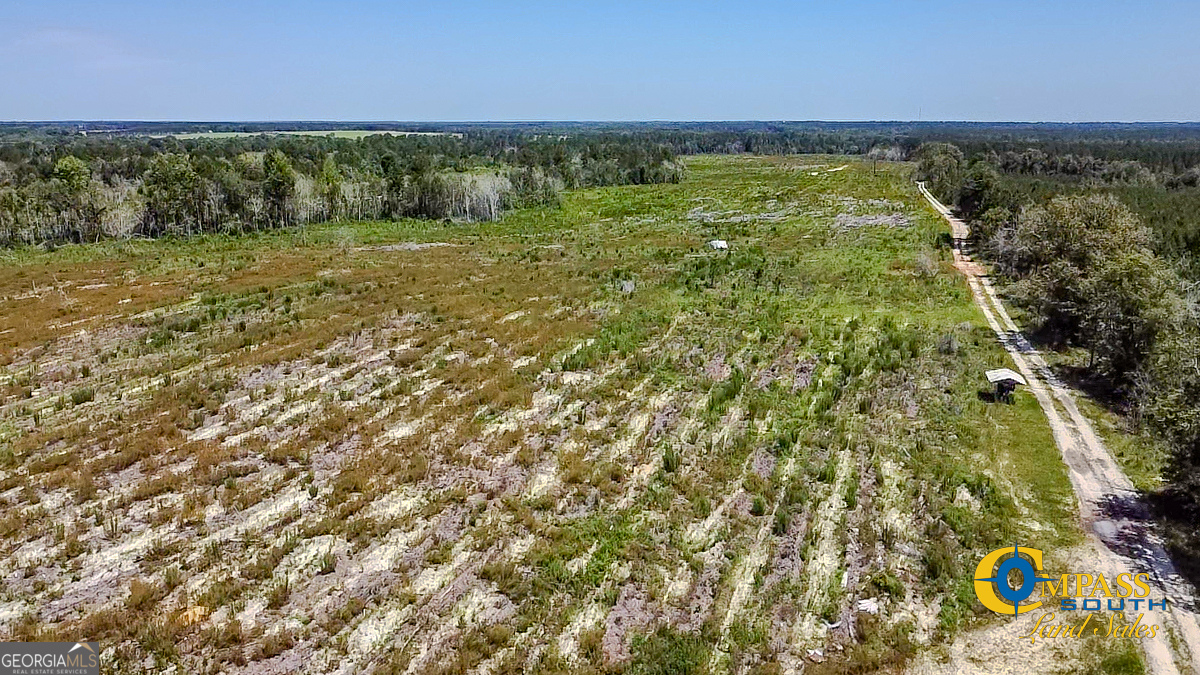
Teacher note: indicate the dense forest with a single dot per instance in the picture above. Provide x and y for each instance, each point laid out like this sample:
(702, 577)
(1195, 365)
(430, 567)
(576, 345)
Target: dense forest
(57, 187)
(1101, 254)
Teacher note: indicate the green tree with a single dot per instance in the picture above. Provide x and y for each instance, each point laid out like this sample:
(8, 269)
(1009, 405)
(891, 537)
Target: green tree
(1088, 276)
(74, 198)
(329, 187)
(985, 227)
(941, 166)
(983, 189)
(278, 186)
(74, 173)
(10, 208)
(1078, 230)
(1130, 300)
(1169, 401)
(174, 195)
(234, 192)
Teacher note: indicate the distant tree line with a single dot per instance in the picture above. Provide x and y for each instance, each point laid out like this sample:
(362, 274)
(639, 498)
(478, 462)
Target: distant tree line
(1091, 274)
(134, 184)
(77, 188)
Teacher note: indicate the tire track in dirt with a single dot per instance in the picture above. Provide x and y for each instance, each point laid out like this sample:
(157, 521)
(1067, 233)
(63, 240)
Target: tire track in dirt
(1117, 521)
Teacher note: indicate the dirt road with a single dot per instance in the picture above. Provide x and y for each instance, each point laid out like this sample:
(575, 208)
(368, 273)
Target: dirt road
(1116, 520)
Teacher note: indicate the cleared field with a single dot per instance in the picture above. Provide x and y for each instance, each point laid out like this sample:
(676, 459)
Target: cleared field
(573, 440)
(341, 133)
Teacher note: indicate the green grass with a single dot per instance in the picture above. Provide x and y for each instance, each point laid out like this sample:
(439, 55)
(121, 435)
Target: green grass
(1141, 457)
(666, 652)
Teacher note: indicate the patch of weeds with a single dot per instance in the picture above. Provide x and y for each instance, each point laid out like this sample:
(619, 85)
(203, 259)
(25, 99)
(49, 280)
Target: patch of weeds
(84, 485)
(172, 577)
(591, 645)
(440, 554)
(573, 466)
(886, 583)
(833, 598)
(111, 522)
(623, 337)
(669, 652)
(53, 462)
(212, 554)
(73, 547)
(724, 392)
(168, 482)
(672, 460)
(957, 605)
(782, 520)
(222, 592)
(828, 471)
(160, 638)
(161, 549)
(878, 649)
(498, 634)
(939, 560)
(286, 453)
(327, 563)
(796, 493)
(344, 615)
(143, 595)
(747, 633)
(608, 477)
(102, 624)
(277, 595)
(223, 636)
(275, 643)
(31, 629)
(1124, 660)
(83, 395)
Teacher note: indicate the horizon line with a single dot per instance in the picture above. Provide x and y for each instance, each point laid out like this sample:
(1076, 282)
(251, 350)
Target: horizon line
(590, 121)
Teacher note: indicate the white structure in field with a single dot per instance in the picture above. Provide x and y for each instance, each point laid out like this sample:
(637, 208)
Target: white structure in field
(1006, 382)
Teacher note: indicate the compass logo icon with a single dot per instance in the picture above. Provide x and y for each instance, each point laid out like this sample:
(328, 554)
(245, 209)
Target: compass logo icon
(994, 579)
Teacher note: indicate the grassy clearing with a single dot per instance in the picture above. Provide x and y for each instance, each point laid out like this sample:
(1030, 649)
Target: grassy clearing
(570, 440)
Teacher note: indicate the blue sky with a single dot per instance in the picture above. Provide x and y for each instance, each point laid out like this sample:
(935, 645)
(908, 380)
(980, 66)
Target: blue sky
(698, 60)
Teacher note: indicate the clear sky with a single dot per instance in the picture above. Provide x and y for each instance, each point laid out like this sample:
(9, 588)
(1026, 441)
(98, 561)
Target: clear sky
(470, 60)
